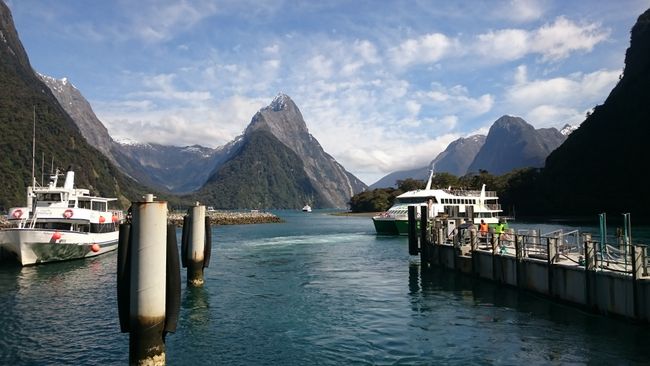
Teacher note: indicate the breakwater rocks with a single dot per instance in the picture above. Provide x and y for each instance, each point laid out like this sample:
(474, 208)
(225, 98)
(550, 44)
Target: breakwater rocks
(229, 218)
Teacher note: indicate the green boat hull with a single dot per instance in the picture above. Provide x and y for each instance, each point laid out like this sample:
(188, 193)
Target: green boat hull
(403, 226)
(385, 226)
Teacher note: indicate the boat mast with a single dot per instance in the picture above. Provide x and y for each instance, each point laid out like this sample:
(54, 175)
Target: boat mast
(34, 148)
(428, 187)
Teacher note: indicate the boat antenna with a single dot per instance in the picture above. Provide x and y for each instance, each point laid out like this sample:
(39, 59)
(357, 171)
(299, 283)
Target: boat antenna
(34, 147)
(42, 166)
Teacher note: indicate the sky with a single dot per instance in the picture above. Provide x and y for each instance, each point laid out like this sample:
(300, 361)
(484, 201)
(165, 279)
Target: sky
(382, 85)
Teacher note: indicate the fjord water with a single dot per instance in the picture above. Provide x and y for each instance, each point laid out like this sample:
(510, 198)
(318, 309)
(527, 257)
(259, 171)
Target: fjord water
(317, 289)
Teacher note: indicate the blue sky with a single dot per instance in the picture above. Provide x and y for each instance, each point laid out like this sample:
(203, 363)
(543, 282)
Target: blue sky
(382, 85)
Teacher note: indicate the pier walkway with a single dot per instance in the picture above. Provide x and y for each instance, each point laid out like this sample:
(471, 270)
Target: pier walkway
(611, 279)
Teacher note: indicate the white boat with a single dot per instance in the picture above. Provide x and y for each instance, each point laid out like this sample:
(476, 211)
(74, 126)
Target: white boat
(306, 208)
(60, 223)
(481, 205)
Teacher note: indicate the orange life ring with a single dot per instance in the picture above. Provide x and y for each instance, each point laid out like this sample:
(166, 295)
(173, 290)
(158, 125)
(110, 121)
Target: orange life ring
(67, 214)
(17, 214)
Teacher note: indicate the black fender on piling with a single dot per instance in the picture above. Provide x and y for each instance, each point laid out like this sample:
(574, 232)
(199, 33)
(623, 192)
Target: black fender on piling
(124, 276)
(412, 231)
(173, 283)
(207, 248)
(185, 239)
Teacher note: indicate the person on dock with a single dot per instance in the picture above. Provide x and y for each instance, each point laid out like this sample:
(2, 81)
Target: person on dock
(499, 229)
(483, 228)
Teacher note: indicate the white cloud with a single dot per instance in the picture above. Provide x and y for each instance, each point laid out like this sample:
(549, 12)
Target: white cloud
(555, 41)
(162, 87)
(212, 125)
(321, 66)
(456, 100)
(568, 90)
(426, 49)
(520, 10)
(558, 100)
(505, 44)
(155, 21)
(552, 116)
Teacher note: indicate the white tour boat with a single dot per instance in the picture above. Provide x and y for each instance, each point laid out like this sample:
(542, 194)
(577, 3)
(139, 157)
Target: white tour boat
(484, 205)
(60, 223)
(306, 208)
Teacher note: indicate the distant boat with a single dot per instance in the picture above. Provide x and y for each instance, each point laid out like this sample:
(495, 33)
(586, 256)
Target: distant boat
(306, 208)
(60, 223)
(484, 205)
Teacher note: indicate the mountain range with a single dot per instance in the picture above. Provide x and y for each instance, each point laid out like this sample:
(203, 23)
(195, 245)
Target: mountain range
(511, 143)
(198, 172)
(27, 106)
(69, 132)
(183, 170)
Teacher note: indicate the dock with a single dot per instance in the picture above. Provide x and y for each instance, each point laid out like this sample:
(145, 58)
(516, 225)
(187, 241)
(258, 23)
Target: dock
(569, 267)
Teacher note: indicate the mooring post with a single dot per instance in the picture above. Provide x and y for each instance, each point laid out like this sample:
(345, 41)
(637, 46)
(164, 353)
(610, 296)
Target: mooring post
(196, 244)
(424, 242)
(637, 272)
(518, 260)
(148, 269)
(551, 250)
(590, 264)
(412, 231)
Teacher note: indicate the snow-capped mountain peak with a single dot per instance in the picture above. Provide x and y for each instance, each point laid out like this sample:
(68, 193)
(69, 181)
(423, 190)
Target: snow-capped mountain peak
(567, 129)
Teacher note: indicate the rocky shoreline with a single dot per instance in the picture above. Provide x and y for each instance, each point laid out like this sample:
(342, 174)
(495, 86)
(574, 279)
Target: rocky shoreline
(229, 218)
(216, 218)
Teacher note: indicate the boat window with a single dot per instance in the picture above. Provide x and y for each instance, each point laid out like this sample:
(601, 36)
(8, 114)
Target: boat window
(71, 203)
(84, 204)
(98, 206)
(56, 197)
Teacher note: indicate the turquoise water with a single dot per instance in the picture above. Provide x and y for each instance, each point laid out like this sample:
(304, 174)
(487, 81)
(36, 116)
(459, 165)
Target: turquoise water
(318, 289)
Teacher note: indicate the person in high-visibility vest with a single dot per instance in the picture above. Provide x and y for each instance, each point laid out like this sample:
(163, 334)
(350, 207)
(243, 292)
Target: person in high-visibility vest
(483, 228)
(500, 228)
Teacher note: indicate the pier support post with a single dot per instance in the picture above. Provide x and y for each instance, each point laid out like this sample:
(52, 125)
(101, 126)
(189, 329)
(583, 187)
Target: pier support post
(551, 250)
(590, 265)
(148, 281)
(196, 246)
(518, 260)
(637, 272)
(412, 231)
(425, 245)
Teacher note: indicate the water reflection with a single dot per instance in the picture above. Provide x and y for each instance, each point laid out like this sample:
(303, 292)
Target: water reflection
(507, 326)
(196, 306)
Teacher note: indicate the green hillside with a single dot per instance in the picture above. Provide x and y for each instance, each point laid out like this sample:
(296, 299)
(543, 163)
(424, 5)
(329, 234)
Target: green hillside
(57, 137)
(264, 174)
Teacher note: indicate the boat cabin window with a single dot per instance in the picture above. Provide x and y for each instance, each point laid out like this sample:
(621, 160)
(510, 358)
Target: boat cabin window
(71, 203)
(49, 197)
(98, 206)
(84, 204)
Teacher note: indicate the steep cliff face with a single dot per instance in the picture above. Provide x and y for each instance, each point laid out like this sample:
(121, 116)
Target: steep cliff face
(24, 98)
(283, 119)
(601, 165)
(458, 156)
(513, 143)
(176, 169)
(91, 128)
